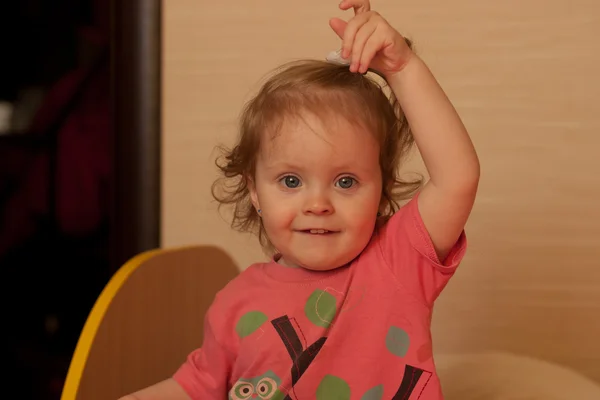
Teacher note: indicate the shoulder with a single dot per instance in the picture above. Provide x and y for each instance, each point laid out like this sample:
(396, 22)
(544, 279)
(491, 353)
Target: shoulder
(239, 290)
(235, 306)
(406, 220)
(252, 276)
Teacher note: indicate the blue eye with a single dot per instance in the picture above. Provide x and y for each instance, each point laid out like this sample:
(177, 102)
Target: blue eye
(290, 181)
(346, 182)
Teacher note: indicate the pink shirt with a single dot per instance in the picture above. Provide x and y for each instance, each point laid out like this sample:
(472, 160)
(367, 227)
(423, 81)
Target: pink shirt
(357, 332)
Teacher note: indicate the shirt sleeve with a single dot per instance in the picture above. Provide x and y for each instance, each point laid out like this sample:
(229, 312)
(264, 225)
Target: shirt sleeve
(409, 252)
(206, 371)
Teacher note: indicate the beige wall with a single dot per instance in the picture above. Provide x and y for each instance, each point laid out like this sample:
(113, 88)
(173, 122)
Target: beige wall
(524, 76)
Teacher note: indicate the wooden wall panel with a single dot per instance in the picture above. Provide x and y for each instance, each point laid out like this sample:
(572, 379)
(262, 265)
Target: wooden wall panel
(523, 75)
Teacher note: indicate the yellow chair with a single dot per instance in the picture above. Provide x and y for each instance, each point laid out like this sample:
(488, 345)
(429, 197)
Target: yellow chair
(146, 321)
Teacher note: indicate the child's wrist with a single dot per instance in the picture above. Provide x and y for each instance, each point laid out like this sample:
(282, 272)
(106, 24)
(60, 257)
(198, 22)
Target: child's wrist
(410, 59)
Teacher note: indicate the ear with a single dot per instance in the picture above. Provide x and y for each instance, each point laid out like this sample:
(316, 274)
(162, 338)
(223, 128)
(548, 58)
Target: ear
(253, 193)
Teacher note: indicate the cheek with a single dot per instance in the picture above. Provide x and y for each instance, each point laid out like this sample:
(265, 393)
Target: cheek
(364, 220)
(278, 214)
(363, 214)
(367, 203)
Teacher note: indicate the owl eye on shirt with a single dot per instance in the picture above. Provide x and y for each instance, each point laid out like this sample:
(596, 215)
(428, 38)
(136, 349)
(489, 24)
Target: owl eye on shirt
(264, 387)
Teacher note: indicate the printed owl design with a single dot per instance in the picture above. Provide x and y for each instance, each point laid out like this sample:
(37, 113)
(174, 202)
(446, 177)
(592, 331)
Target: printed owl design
(265, 386)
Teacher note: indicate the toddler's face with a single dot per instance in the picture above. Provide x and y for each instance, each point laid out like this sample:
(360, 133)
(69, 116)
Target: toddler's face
(318, 187)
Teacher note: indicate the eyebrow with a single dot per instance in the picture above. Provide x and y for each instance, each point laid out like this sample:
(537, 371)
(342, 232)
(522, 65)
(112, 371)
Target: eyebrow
(286, 166)
(282, 165)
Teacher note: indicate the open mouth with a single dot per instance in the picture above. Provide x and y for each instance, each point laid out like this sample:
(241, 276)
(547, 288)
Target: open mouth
(318, 231)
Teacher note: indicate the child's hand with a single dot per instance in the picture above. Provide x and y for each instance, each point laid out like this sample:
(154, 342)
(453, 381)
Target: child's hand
(368, 40)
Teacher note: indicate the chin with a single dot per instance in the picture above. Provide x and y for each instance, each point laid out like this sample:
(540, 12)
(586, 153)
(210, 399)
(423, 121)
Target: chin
(326, 263)
(321, 267)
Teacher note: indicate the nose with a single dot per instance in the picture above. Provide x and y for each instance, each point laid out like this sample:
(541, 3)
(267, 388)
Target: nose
(318, 203)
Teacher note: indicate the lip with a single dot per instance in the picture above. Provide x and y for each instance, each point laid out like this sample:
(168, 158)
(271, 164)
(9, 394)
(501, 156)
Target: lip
(317, 231)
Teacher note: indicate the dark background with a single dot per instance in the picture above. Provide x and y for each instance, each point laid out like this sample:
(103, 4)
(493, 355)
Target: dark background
(79, 100)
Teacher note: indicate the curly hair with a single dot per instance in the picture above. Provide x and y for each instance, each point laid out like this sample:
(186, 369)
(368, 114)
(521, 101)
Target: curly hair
(325, 90)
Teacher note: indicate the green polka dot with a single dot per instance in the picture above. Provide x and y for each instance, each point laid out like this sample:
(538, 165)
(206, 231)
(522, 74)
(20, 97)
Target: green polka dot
(320, 308)
(397, 341)
(375, 393)
(250, 322)
(333, 388)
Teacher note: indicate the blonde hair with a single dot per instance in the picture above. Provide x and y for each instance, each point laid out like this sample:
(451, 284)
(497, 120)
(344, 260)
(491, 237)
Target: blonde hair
(323, 89)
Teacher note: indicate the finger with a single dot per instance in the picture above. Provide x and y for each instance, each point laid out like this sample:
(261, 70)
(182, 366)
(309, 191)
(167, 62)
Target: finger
(370, 49)
(360, 6)
(360, 39)
(338, 26)
(351, 28)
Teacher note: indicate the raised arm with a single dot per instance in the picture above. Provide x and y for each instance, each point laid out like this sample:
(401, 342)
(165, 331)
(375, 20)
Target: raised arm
(445, 202)
(448, 153)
